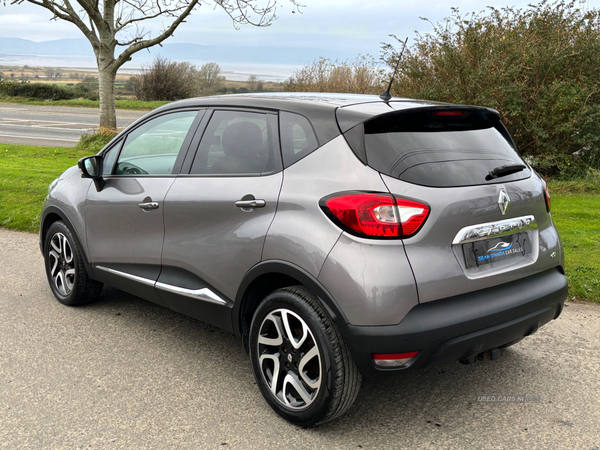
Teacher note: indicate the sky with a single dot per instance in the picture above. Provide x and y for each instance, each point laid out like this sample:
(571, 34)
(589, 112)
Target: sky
(338, 27)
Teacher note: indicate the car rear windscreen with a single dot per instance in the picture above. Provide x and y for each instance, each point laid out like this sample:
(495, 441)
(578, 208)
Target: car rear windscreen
(442, 147)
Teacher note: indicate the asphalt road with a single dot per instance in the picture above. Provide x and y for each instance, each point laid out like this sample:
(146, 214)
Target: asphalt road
(53, 126)
(126, 374)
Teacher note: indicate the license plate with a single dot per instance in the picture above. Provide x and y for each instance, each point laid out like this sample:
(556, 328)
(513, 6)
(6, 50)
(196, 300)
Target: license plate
(493, 250)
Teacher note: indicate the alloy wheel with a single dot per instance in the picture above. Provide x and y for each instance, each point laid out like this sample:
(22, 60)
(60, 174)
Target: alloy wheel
(61, 264)
(289, 359)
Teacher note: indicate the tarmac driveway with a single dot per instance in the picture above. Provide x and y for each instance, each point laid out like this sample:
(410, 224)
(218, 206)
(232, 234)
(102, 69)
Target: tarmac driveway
(124, 373)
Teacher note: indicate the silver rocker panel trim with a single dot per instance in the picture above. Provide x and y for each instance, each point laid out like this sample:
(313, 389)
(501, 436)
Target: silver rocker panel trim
(203, 294)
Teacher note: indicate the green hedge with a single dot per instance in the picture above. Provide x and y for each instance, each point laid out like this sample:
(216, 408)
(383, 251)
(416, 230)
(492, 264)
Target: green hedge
(36, 90)
(539, 66)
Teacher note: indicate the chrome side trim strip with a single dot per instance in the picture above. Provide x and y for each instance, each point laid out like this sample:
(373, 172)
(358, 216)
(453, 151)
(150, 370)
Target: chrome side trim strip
(142, 280)
(494, 229)
(204, 294)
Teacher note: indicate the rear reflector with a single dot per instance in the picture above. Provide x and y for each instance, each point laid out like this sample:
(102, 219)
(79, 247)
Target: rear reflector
(375, 215)
(393, 359)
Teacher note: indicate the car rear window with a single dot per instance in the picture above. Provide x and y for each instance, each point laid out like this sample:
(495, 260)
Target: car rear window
(441, 148)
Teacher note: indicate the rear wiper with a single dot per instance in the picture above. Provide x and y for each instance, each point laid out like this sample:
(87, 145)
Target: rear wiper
(502, 171)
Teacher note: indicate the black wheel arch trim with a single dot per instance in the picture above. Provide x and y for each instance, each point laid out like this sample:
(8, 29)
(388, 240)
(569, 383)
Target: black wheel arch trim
(53, 209)
(280, 267)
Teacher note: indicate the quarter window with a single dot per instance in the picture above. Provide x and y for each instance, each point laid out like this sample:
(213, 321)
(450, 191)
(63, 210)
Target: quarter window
(152, 148)
(297, 137)
(109, 158)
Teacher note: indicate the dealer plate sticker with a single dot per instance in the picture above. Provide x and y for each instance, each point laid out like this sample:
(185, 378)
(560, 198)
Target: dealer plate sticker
(499, 249)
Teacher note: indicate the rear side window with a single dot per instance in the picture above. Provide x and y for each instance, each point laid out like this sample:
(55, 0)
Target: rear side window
(237, 143)
(297, 137)
(441, 148)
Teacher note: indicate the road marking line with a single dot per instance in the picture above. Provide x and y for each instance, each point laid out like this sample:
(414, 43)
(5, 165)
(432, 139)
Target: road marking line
(38, 138)
(54, 128)
(44, 122)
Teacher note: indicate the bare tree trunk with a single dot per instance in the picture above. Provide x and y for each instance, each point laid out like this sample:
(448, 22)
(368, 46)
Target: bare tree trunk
(108, 115)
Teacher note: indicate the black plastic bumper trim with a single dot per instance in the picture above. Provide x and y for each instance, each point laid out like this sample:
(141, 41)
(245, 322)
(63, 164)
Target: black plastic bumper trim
(461, 326)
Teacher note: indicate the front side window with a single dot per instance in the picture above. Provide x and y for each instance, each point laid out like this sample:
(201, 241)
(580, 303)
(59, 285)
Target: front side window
(152, 148)
(236, 143)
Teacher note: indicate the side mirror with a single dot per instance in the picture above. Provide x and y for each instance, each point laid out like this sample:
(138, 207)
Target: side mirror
(91, 167)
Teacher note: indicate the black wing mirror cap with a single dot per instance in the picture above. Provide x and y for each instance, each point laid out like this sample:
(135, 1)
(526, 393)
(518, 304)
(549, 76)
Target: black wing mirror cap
(91, 167)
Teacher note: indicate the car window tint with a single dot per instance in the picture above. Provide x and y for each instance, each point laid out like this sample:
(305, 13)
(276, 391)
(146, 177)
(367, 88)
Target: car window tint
(235, 142)
(297, 137)
(152, 148)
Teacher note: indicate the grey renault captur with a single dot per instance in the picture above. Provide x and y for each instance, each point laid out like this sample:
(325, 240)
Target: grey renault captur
(337, 235)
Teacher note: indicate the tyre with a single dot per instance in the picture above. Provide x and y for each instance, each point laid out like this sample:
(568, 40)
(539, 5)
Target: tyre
(65, 269)
(300, 362)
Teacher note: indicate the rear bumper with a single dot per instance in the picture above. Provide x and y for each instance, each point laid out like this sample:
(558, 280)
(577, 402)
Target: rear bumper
(460, 327)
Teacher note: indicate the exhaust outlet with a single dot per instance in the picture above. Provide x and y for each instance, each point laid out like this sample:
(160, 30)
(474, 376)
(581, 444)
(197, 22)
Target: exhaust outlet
(491, 354)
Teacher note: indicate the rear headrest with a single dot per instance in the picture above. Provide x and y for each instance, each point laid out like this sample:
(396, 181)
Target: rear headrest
(242, 139)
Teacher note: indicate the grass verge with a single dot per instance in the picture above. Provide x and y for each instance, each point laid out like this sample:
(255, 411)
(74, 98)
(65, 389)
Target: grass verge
(26, 172)
(136, 105)
(577, 218)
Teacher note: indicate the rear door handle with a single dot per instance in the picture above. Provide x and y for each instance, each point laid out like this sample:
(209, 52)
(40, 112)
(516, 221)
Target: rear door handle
(148, 205)
(250, 204)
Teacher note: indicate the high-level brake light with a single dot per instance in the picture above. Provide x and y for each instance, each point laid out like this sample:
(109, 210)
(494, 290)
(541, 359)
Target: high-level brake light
(449, 113)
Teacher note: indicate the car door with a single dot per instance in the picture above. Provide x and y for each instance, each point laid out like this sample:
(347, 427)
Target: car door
(217, 215)
(124, 220)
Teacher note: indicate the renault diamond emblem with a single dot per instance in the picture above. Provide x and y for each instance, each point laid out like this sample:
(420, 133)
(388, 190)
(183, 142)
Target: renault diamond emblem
(503, 201)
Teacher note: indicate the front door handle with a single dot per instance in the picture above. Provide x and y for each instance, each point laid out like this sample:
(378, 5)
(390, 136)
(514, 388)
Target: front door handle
(250, 203)
(148, 205)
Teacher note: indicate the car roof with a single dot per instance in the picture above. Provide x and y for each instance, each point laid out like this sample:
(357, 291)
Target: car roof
(300, 102)
(330, 114)
(319, 108)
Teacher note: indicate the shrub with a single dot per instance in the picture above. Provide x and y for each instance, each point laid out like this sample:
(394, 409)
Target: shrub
(210, 79)
(36, 90)
(539, 66)
(94, 142)
(166, 80)
(361, 76)
(88, 89)
(255, 84)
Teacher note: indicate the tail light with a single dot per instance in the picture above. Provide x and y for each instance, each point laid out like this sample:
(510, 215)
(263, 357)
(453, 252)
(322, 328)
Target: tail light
(547, 195)
(375, 215)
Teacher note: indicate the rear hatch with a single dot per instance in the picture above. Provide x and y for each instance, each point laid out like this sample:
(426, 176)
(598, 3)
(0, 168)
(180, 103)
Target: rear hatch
(489, 220)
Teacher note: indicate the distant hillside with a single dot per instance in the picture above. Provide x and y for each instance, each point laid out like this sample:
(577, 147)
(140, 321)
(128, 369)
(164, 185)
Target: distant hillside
(177, 52)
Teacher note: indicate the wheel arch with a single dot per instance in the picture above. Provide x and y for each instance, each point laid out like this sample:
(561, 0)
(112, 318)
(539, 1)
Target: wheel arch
(268, 276)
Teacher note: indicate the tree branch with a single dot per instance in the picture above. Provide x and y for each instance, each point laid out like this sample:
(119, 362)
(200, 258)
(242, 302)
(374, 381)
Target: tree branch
(65, 12)
(170, 12)
(126, 55)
